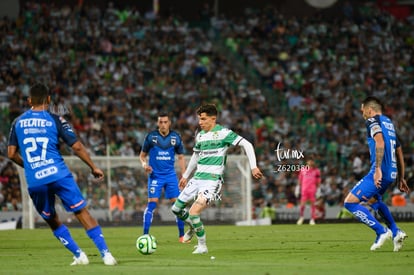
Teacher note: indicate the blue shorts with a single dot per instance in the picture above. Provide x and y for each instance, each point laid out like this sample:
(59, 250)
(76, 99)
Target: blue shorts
(167, 182)
(66, 189)
(365, 189)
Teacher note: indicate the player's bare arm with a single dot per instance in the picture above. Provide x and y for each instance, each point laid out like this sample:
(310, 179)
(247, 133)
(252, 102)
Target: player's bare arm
(182, 183)
(379, 155)
(143, 159)
(256, 173)
(81, 152)
(181, 163)
(14, 155)
(402, 183)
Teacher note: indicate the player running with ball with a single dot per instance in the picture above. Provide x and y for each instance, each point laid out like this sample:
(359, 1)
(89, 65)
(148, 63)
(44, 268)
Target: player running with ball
(209, 159)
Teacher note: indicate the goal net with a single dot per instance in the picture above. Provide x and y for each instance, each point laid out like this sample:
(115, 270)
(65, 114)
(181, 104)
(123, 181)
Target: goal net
(125, 177)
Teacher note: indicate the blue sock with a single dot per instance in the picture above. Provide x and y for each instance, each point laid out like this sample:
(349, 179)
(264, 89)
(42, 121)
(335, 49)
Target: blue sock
(385, 213)
(148, 216)
(97, 237)
(363, 215)
(180, 225)
(63, 235)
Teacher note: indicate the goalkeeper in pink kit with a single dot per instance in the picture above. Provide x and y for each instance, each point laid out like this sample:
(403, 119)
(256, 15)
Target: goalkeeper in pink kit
(308, 181)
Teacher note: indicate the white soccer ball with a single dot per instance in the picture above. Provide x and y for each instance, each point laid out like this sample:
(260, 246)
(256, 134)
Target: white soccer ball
(146, 244)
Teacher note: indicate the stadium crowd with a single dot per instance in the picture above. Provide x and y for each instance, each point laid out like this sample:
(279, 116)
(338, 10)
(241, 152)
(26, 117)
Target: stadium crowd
(277, 80)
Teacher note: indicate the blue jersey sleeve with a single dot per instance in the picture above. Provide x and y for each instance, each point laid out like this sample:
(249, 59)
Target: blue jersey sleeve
(65, 130)
(179, 148)
(12, 136)
(147, 144)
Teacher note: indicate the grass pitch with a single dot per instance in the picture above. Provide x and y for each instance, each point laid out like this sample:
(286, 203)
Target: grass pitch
(277, 249)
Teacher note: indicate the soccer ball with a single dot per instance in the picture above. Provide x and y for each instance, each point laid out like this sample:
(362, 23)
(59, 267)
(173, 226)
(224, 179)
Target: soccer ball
(146, 244)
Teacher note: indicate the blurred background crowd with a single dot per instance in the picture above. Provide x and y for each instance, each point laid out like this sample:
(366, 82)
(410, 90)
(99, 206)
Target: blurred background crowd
(278, 80)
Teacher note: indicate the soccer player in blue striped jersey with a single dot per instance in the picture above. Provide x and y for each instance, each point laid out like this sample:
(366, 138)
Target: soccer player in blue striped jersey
(161, 146)
(387, 166)
(209, 160)
(34, 145)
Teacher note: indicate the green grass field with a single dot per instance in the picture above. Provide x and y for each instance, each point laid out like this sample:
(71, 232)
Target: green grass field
(276, 249)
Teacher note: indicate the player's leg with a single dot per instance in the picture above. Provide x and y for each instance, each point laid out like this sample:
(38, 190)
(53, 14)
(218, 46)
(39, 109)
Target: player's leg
(382, 209)
(172, 192)
(187, 195)
(73, 201)
(180, 224)
(312, 201)
(44, 201)
(198, 206)
(149, 214)
(303, 200)
(364, 190)
(208, 191)
(154, 193)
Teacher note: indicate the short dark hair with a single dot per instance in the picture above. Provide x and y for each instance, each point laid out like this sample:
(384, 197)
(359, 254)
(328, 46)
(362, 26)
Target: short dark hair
(374, 103)
(39, 93)
(209, 109)
(163, 114)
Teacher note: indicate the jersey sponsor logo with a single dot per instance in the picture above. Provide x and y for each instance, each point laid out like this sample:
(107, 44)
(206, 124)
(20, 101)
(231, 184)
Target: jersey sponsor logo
(163, 155)
(34, 131)
(34, 122)
(388, 125)
(46, 172)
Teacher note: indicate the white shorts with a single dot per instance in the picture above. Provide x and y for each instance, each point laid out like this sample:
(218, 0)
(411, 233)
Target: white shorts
(209, 189)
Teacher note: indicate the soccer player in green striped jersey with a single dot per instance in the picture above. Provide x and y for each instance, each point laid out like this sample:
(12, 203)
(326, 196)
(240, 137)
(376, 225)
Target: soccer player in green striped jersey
(209, 159)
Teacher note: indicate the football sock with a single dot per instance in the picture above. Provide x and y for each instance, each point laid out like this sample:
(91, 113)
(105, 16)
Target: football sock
(385, 213)
(63, 235)
(180, 225)
(148, 214)
(179, 210)
(302, 210)
(313, 210)
(198, 228)
(363, 215)
(97, 237)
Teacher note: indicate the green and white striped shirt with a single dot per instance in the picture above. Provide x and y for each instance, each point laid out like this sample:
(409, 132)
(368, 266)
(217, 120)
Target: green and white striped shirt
(211, 148)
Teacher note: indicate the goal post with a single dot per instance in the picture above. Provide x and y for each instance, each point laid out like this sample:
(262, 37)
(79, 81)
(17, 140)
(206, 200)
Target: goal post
(125, 176)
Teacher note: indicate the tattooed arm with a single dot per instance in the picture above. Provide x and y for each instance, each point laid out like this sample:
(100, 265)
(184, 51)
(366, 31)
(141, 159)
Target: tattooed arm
(379, 155)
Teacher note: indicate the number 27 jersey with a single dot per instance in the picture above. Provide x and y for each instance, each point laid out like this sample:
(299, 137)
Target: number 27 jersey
(36, 134)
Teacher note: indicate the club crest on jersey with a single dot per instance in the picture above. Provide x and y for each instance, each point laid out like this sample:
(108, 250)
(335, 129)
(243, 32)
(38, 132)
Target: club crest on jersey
(154, 139)
(173, 141)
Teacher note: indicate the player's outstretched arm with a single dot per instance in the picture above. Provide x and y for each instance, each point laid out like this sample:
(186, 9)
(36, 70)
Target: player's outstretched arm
(402, 184)
(143, 159)
(191, 165)
(14, 155)
(81, 152)
(248, 148)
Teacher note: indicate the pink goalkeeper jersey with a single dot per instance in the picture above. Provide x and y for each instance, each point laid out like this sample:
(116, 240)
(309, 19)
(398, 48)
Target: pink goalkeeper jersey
(310, 179)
